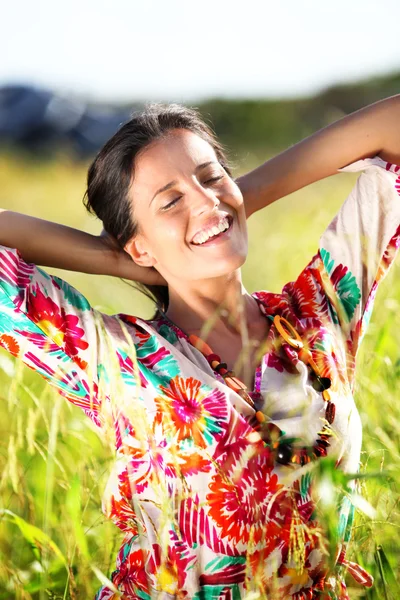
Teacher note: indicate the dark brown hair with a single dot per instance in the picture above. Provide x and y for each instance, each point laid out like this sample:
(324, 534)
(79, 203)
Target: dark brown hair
(112, 172)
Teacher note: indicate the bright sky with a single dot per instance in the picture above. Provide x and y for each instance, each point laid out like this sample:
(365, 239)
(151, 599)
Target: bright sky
(181, 50)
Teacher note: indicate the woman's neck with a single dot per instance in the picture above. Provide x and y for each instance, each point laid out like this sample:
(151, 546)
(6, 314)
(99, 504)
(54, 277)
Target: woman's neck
(222, 305)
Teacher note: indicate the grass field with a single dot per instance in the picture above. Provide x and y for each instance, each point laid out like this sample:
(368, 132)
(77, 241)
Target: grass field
(53, 466)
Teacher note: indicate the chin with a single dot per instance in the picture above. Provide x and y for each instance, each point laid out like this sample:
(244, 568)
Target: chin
(233, 264)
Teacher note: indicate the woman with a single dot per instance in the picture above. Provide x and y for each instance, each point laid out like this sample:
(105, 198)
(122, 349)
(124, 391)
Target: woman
(216, 442)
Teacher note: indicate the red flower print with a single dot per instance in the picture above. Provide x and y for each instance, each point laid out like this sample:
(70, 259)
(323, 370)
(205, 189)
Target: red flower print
(281, 356)
(189, 409)
(300, 580)
(273, 304)
(128, 369)
(305, 295)
(231, 574)
(121, 513)
(240, 500)
(322, 344)
(169, 572)
(82, 364)
(197, 528)
(10, 344)
(40, 340)
(235, 442)
(289, 579)
(15, 272)
(141, 335)
(131, 576)
(144, 571)
(60, 327)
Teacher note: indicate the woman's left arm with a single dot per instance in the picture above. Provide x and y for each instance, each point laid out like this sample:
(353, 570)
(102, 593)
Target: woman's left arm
(371, 131)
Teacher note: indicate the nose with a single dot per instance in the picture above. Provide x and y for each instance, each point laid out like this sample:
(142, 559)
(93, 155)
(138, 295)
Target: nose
(204, 200)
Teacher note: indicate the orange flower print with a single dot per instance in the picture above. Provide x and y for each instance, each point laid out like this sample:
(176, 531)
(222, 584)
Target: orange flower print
(10, 344)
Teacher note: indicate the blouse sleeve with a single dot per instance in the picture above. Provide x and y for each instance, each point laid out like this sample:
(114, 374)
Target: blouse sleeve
(51, 327)
(359, 246)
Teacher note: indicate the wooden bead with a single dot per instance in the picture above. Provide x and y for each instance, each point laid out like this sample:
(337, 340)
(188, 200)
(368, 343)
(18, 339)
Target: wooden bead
(200, 345)
(326, 395)
(330, 412)
(323, 442)
(260, 416)
(296, 458)
(213, 357)
(326, 382)
(321, 383)
(320, 449)
(235, 383)
(325, 431)
(284, 454)
(243, 394)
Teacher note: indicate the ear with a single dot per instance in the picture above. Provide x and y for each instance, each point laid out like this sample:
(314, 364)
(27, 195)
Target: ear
(136, 249)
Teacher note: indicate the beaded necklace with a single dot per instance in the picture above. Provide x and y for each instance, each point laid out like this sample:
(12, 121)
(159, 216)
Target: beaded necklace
(285, 452)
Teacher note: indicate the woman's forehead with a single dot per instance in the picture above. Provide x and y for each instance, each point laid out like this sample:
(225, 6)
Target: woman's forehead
(178, 147)
(178, 154)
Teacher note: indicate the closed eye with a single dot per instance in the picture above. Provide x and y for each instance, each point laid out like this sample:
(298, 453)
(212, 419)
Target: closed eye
(173, 202)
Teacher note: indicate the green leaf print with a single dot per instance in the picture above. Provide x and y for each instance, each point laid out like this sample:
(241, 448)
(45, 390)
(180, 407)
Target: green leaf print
(327, 260)
(218, 563)
(168, 334)
(349, 293)
(213, 592)
(305, 483)
(344, 282)
(166, 366)
(71, 295)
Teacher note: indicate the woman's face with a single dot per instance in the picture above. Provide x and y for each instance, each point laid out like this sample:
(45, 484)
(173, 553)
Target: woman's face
(180, 190)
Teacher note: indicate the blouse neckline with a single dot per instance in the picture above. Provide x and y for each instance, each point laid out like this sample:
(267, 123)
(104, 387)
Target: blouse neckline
(171, 327)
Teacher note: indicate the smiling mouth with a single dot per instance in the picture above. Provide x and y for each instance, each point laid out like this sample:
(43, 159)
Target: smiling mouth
(219, 235)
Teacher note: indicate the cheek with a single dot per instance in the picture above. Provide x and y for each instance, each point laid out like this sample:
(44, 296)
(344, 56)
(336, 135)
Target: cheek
(238, 205)
(236, 197)
(168, 236)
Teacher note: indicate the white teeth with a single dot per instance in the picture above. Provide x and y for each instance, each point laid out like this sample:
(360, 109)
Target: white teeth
(223, 225)
(203, 237)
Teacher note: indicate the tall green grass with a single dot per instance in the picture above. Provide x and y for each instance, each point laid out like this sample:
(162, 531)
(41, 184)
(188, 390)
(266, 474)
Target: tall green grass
(54, 541)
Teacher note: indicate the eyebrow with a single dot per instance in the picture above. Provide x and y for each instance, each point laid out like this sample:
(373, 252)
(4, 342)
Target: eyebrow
(172, 183)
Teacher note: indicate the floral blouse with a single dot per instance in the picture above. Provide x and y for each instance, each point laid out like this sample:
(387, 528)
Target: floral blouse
(206, 511)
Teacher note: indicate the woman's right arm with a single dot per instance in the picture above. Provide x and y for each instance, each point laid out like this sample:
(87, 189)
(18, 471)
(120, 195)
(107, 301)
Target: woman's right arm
(49, 325)
(53, 245)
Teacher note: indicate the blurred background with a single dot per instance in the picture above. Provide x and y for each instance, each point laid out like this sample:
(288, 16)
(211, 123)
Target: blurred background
(265, 75)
